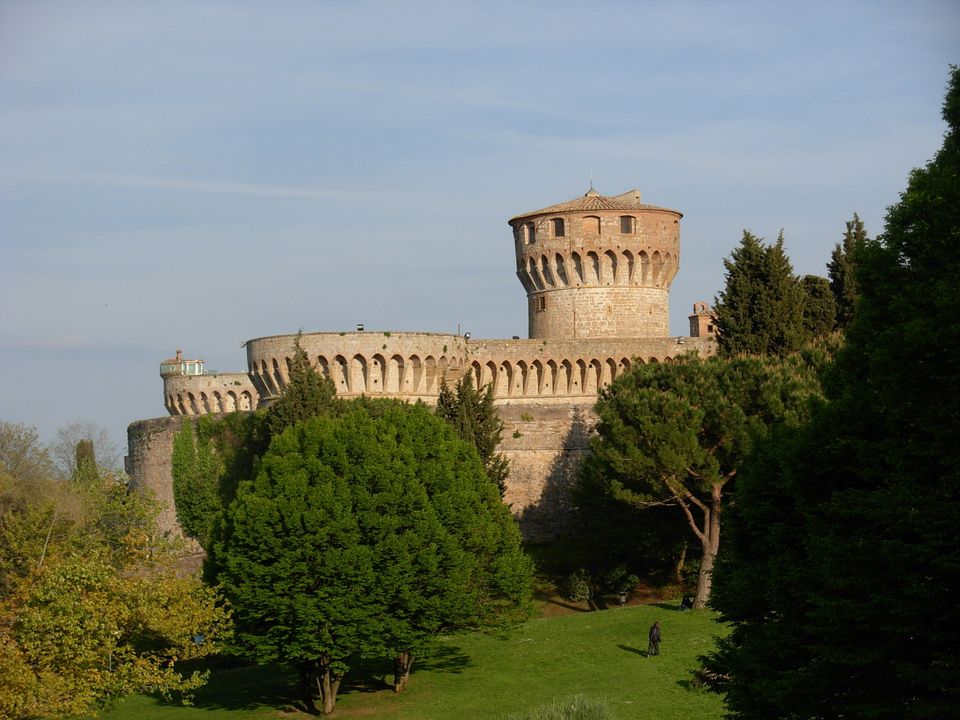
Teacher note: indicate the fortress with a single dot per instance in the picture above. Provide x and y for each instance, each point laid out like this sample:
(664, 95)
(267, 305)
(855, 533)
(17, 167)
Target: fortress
(597, 272)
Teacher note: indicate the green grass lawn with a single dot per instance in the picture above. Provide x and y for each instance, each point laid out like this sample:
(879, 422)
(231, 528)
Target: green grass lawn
(595, 654)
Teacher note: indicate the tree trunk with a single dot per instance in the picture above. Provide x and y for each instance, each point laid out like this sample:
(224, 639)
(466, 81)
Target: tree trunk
(401, 670)
(678, 567)
(704, 579)
(710, 542)
(328, 684)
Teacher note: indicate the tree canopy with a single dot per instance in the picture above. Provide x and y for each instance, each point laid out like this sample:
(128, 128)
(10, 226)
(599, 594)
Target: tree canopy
(841, 577)
(366, 535)
(90, 608)
(676, 434)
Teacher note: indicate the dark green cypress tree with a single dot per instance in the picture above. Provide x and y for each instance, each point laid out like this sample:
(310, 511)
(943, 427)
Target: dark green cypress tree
(819, 307)
(307, 395)
(475, 419)
(842, 270)
(842, 575)
(760, 309)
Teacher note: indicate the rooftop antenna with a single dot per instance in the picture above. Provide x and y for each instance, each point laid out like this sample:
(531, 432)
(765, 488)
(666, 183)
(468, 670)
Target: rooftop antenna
(591, 179)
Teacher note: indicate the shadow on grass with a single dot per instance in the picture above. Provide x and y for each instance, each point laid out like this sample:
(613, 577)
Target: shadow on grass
(236, 685)
(635, 651)
(247, 687)
(370, 676)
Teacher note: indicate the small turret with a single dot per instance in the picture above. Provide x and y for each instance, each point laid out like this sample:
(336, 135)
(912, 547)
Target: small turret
(702, 323)
(178, 366)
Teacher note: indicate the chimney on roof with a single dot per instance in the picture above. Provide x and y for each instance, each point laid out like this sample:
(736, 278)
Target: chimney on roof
(179, 354)
(631, 196)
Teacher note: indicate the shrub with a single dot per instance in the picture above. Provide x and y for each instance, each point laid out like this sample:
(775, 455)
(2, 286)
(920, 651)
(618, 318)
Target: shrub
(577, 586)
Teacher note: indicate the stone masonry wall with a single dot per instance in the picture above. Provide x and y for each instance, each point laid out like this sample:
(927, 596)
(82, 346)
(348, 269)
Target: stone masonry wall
(148, 464)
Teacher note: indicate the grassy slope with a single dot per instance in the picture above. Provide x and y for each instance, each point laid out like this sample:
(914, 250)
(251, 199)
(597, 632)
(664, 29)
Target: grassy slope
(598, 654)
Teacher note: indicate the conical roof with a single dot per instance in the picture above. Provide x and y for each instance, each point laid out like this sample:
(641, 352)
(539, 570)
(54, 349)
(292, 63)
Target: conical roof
(592, 200)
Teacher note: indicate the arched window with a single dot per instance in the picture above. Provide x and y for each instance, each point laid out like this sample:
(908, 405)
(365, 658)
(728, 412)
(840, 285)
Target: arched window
(558, 228)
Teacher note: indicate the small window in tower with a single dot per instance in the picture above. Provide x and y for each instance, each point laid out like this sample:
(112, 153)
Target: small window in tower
(531, 233)
(541, 303)
(558, 229)
(626, 224)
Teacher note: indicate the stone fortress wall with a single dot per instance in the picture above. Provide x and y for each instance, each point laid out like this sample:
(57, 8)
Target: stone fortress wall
(597, 272)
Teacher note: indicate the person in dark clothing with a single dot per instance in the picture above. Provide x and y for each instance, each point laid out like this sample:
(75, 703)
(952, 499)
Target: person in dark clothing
(686, 603)
(654, 647)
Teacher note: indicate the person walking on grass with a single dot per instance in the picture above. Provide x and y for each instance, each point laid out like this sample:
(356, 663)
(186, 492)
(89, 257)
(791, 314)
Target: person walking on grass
(654, 647)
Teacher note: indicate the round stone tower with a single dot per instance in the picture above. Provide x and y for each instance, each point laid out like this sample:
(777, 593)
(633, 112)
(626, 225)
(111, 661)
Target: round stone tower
(598, 267)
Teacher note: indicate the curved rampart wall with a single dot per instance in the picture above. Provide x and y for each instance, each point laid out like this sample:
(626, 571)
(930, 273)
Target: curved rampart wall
(598, 273)
(211, 393)
(413, 365)
(403, 365)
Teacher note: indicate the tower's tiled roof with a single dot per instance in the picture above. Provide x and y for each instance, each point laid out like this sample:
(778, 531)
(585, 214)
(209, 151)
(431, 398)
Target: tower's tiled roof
(592, 200)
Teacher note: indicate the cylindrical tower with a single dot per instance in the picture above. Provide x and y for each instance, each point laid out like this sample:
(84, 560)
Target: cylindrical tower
(597, 266)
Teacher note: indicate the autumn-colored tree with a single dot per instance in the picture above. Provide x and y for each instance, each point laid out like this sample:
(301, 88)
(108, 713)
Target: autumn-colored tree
(91, 607)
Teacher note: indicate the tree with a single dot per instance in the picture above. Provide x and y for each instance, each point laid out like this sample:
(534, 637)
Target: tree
(760, 309)
(841, 577)
(475, 419)
(842, 270)
(306, 395)
(63, 449)
(366, 535)
(22, 455)
(819, 307)
(212, 456)
(676, 434)
(92, 608)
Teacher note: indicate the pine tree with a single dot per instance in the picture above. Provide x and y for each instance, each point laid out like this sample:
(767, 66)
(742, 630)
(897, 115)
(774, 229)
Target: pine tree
(842, 270)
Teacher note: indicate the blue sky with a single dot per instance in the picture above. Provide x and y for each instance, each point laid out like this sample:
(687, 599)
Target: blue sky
(195, 174)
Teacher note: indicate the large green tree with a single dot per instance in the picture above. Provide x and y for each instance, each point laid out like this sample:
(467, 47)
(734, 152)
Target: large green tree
(760, 309)
(676, 434)
(841, 575)
(366, 535)
(473, 415)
